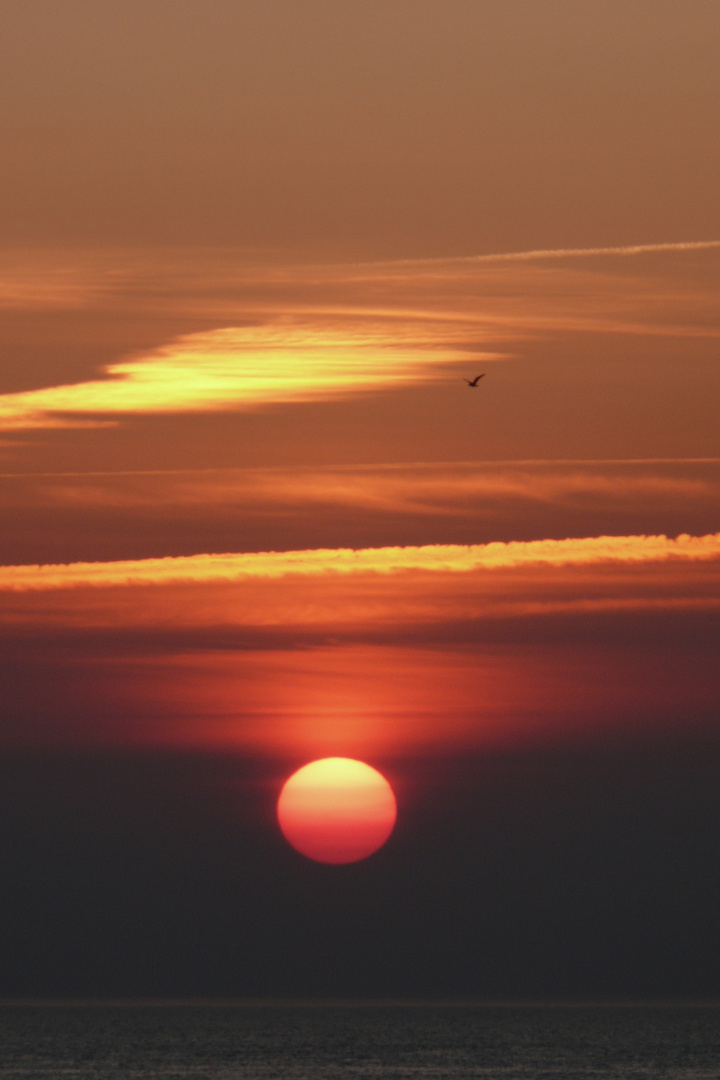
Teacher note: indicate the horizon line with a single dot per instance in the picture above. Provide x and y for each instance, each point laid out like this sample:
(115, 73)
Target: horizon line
(360, 1001)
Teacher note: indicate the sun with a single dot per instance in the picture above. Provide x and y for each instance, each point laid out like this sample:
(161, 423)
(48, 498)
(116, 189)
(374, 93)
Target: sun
(336, 810)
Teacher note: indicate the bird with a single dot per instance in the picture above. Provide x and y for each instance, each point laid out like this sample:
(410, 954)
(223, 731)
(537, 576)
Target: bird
(475, 381)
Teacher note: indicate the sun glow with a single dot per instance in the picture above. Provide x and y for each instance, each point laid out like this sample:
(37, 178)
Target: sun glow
(336, 810)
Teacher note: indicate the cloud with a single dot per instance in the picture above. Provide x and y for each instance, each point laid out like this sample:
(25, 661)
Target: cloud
(470, 489)
(433, 558)
(431, 593)
(295, 334)
(105, 516)
(31, 278)
(597, 591)
(563, 253)
(337, 646)
(231, 368)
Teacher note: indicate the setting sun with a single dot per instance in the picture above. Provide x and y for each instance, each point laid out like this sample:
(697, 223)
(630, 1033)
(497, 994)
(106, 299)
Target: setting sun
(336, 810)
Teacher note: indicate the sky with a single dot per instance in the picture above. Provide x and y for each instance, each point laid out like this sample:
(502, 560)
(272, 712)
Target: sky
(253, 515)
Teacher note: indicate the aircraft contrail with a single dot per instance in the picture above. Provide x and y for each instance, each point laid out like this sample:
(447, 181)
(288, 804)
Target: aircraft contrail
(562, 253)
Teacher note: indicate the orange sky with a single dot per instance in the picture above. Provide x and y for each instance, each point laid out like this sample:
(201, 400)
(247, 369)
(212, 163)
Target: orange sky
(252, 514)
(251, 254)
(402, 128)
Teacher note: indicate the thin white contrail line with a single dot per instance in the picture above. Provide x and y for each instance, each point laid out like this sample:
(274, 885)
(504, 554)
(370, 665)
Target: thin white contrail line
(563, 253)
(634, 249)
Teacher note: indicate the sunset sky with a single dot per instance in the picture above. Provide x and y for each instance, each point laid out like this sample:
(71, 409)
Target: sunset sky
(252, 514)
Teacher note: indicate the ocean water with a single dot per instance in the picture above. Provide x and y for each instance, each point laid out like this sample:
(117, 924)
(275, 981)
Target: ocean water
(329, 1042)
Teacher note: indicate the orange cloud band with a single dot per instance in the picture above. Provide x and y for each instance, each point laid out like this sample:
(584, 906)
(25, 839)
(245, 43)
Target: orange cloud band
(439, 558)
(470, 489)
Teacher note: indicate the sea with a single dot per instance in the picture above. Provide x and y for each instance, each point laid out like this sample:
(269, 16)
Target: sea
(232, 1041)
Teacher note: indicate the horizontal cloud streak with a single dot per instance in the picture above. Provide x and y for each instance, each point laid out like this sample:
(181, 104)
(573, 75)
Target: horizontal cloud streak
(231, 368)
(435, 558)
(629, 249)
(423, 488)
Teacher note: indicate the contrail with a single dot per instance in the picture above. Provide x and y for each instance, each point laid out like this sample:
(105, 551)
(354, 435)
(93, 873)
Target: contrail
(563, 253)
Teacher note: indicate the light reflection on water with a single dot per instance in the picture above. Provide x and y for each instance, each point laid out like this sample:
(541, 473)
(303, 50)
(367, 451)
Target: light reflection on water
(329, 1042)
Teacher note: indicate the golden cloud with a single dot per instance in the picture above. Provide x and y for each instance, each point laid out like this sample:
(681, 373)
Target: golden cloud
(433, 558)
(231, 368)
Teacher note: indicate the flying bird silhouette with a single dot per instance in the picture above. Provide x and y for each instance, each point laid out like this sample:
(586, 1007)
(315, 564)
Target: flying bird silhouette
(475, 381)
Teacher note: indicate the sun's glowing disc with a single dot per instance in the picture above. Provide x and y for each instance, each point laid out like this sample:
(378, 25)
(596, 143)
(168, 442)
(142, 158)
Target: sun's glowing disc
(336, 810)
